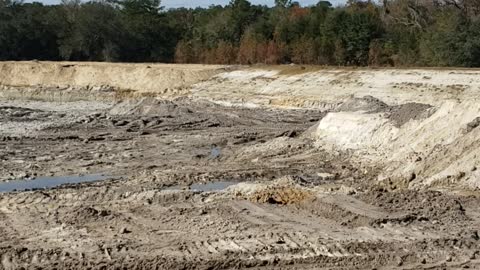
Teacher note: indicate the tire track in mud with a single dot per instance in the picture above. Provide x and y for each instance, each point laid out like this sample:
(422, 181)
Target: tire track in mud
(307, 245)
(280, 246)
(295, 245)
(49, 200)
(298, 247)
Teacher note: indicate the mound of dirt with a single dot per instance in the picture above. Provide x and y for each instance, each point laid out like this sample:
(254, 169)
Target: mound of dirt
(398, 114)
(473, 125)
(409, 139)
(156, 78)
(281, 195)
(284, 191)
(366, 104)
(402, 114)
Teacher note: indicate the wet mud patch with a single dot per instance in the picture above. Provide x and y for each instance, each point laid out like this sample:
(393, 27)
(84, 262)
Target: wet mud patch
(178, 136)
(49, 182)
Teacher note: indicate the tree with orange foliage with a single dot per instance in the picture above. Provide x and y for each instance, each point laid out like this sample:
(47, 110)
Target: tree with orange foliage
(297, 12)
(225, 53)
(247, 53)
(184, 53)
(276, 53)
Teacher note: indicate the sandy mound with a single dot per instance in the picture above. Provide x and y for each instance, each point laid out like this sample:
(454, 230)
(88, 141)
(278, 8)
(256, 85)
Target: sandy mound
(416, 143)
(156, 78)
(285, 191)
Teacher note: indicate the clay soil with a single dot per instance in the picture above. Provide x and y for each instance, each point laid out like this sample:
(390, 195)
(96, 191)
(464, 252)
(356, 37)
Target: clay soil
(289, 204)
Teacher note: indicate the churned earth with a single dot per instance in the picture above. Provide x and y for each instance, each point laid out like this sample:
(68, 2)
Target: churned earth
(190, 182)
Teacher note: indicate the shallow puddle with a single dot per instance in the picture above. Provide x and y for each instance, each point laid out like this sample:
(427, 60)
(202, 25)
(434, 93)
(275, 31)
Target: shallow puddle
(214, 186)
(49, 182)
(215, 153)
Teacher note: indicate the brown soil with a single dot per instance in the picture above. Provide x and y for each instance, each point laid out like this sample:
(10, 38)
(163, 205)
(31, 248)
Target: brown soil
(288, 202)
(307, 221)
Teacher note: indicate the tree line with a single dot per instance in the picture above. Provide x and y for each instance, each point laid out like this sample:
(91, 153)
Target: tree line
(359, 33)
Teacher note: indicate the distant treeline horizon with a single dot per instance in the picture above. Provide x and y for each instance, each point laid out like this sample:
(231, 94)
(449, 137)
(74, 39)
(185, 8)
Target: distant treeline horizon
(360, 33)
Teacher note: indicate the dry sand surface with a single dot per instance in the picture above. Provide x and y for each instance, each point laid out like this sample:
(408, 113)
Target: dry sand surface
(139, 77)
(211, 167)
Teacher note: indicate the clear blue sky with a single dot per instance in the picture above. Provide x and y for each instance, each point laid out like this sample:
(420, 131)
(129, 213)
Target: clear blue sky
(206, 3)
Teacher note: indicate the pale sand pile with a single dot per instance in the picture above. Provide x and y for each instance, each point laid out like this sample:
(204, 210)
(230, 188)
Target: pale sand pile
(137, 77)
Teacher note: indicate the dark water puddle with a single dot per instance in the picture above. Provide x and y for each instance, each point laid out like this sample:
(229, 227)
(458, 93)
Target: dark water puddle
(214, 186)
(49, 182)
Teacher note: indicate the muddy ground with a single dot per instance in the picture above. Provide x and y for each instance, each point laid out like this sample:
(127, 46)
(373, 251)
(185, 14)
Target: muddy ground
(288, 204)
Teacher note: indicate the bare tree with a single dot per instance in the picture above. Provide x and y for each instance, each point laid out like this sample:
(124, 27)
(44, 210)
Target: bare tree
(468, 7)
(409, 13)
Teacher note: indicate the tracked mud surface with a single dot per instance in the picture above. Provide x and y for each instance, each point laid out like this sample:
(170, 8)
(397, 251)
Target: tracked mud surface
(288, 204)
(180, 140)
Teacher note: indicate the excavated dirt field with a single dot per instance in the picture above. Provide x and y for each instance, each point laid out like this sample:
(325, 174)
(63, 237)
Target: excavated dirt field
(194, 184)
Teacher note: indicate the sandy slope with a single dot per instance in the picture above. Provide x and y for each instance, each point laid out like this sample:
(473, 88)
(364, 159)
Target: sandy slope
(294, 87)
(431, 147)
(138, 77)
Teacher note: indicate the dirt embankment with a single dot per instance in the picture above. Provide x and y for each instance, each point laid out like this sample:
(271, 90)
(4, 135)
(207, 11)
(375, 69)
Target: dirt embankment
(292, 86)
(77, 80)
(419, 125)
